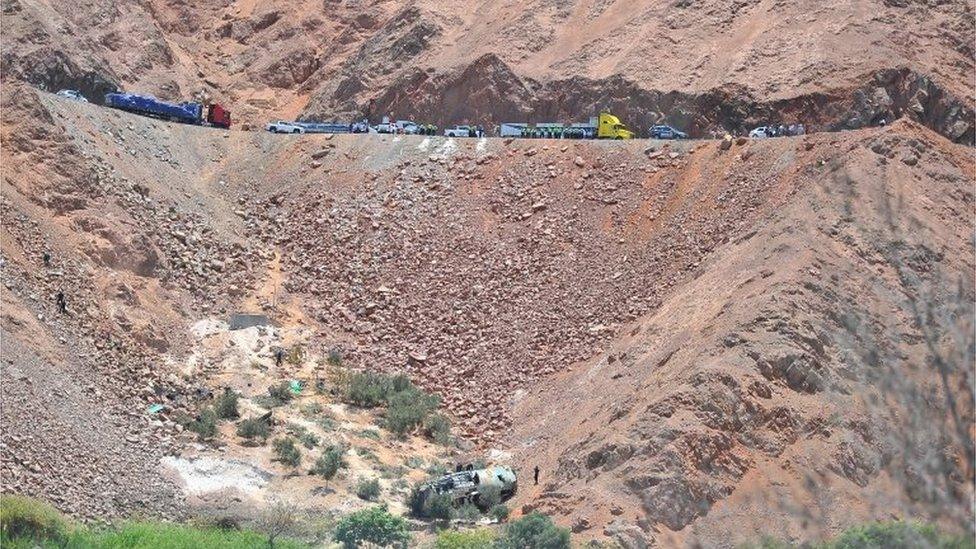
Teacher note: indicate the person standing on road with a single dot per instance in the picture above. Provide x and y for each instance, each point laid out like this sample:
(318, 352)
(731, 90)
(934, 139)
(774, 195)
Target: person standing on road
(536, 475)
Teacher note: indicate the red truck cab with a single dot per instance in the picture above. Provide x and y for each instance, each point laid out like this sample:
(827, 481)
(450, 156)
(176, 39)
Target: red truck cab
(218, 116)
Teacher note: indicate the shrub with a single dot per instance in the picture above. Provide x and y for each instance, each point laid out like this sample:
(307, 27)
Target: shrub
(22, 517)
(534, 530)
(280, 394)
(335, 357)
(467, 512)
(253, 428)
(489, 496)
(371, 434)
(896, 534)
(329, 463)
(296, 355)
(429, 505)
(499, 512)
(367, 389)
(482, 538)
(306, 437)
(205, 425)
(408, 409)
(438, 428)
(286, 452)
(327, 423)
(368, 490)
(311, 409)
(374, 525)
(225, 405)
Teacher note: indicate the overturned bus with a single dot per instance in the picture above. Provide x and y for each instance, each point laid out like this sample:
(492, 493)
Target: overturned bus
(466, 486)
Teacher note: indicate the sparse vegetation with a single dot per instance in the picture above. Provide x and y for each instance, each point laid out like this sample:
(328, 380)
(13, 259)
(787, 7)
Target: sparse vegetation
(329, 463)
(335, 357)
(225, 405)
(880, 535)
(31, 520)
(296, 355)
(371, 434)
(368, 489)
(481, 538)
(279, 394)
(489, 496)
(254, 428)
(312, 409)
(307, 438)
(204, 425)
(408, 408)
(431, 506)
(368, 389)
(438, 428)
(499, 512)
(28, 523)
(467, 512)
(287, 452)
(533, 530)
(374, 525)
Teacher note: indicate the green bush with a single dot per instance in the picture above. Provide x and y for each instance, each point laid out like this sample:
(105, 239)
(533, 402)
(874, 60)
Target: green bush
(368, 489)
(374, 525)
(897, 535)
(205, 425)
(29, 523)
(329, 463)
(438, 428)
(280, 394)
(499, 512)
(534, 530)
(225, 405)
(286, 452)
(482, 538)
(253, 428)
(467, 512)
(407, 409)
(335, 357)
(424, 504)
(26, 518)
(489, 496)
(306, 437)
(312, 409)
(368, 389)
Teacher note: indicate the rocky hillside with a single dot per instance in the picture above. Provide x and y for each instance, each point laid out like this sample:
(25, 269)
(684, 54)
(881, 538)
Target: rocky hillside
(799, 379)
(680, 336)
(703, 65)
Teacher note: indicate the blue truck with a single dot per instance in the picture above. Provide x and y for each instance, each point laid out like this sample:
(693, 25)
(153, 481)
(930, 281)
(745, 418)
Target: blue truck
(187, 113)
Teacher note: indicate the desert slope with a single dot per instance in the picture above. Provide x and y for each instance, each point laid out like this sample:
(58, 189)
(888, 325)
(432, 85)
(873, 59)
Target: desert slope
(778, 391)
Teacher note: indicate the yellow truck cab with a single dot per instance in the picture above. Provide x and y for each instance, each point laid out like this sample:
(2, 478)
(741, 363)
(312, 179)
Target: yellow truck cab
(610, 127)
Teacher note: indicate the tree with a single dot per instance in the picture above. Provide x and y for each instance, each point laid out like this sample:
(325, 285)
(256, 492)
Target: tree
(535, 531)
(277, 520)
(329, 463)
(373, 525)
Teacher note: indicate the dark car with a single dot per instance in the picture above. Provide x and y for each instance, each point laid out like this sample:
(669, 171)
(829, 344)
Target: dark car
(667, 132)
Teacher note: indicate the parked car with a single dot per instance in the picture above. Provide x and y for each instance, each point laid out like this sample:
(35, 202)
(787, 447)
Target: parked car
(667, 132)
(279, 126)
(460, 131)
(408, 127)
(761, 132)
(73, 94)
